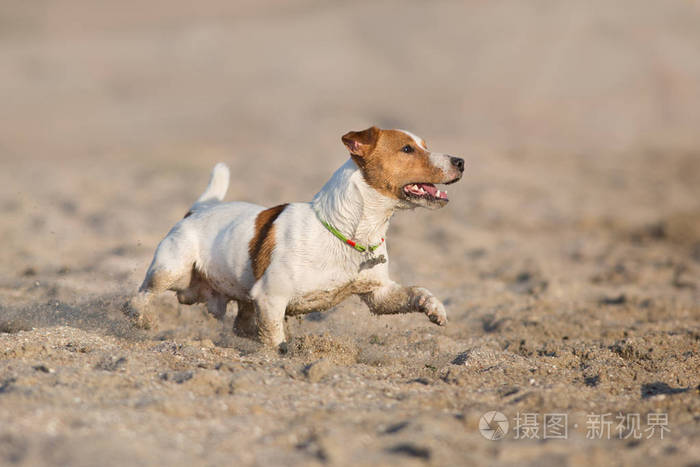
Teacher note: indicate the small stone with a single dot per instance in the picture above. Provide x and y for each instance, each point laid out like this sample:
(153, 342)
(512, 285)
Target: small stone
(110, 363)
(178, 377)
(181, 376)
(43, 368)
(29, 272)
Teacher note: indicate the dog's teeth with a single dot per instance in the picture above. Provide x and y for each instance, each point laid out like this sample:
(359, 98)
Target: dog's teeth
(438, 193)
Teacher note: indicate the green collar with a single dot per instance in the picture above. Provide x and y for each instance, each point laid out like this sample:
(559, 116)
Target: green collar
(344, 239)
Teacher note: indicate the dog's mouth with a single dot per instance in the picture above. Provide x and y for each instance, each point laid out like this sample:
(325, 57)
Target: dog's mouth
(425, 194)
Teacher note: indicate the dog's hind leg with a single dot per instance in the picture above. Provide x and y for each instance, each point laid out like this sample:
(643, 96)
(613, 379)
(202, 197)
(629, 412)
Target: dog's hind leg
(245, 324)
(171, 269)
(198, 291)
(138, 308)
(216, 304)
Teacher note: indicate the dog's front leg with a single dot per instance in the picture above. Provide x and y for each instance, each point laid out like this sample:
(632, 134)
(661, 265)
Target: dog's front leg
(270, 313)
(393, 298)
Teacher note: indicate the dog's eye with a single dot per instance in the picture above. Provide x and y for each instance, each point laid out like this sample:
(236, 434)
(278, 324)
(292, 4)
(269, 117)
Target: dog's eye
(407, 149)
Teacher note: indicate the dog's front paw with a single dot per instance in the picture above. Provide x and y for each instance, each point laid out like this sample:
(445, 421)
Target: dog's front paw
(435, 311)
(432, 307)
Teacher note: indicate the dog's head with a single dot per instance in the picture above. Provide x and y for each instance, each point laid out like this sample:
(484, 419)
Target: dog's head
(399, 165)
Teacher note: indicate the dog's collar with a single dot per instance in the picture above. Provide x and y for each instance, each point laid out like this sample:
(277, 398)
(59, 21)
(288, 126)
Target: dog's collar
(344, 239)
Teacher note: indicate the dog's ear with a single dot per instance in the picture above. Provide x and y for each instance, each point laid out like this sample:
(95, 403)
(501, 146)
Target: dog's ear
(361, 143)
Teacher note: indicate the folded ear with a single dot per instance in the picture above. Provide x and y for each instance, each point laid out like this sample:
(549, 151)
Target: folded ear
(360, 143)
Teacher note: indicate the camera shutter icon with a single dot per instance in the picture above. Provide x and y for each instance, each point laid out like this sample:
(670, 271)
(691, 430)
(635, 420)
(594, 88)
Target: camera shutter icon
(493, 425)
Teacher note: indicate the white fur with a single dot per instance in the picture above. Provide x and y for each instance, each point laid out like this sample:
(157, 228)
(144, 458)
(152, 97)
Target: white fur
(349, 204)
(218, 184)
(415, 138)
(442, 161)
(309, 265)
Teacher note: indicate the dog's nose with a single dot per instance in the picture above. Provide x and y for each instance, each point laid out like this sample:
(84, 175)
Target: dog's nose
(457, 162)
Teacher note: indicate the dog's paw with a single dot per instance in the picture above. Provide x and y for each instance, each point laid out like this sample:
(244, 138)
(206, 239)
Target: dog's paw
(245, 328)
(432, 307)
(435, 311)
(135, 310)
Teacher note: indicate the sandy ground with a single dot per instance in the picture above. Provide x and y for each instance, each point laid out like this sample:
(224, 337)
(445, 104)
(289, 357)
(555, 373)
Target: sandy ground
(568, 258)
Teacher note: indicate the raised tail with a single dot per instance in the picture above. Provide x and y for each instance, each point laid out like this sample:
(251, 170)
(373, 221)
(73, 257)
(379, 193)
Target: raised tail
(215, 190)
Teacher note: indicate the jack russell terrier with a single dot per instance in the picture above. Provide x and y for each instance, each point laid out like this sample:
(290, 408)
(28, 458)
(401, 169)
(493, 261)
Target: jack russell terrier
(301, 257)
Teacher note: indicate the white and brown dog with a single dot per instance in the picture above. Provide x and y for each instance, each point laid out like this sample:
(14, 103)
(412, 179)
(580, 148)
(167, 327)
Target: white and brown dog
(301, 257)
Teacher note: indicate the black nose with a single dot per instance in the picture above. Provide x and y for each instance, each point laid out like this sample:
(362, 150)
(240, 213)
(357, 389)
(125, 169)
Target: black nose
(457, 162)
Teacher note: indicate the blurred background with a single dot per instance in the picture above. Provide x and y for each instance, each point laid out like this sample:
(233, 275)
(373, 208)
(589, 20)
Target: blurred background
(578, 217)
(563, 110)
(557, 107)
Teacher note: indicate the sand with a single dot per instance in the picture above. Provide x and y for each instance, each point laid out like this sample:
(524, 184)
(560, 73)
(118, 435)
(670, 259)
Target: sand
(568, 257)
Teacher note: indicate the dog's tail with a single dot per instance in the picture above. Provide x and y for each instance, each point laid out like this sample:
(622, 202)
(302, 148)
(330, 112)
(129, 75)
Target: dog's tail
(215, 190)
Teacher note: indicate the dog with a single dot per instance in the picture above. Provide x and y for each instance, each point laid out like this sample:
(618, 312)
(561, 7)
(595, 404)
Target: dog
(301, 257)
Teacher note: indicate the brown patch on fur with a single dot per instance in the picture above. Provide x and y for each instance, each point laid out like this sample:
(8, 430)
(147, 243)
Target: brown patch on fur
(263, 242)
(384, 165)
(361, 143)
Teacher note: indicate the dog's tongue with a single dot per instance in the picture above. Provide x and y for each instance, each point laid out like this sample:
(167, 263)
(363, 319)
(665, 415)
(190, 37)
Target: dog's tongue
(421, 189)
(428, 187)
(433, 191)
